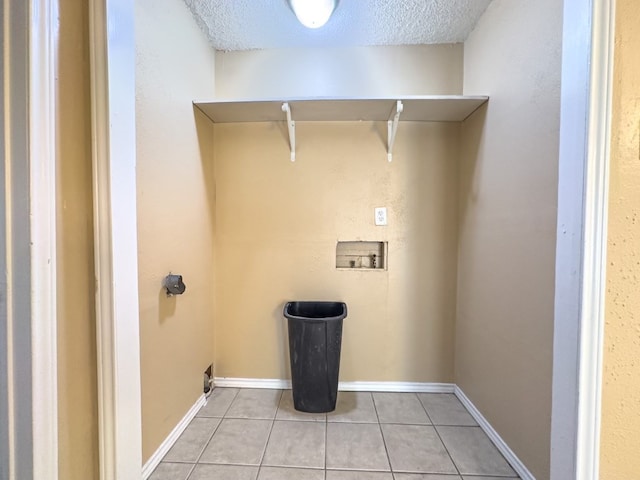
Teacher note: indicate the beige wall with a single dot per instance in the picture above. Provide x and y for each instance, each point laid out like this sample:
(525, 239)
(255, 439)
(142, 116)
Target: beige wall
(174, 65)
(77, 387)
(355, 71)
(620, 433)
(508, 195)
(277, 225)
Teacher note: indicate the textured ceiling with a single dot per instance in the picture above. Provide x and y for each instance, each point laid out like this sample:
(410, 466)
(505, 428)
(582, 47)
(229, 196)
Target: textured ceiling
(261, 24)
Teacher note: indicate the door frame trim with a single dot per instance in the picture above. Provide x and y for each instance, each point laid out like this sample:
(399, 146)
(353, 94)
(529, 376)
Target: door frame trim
(29, 393)
(581, 251)
(43, 66)
(112, 57)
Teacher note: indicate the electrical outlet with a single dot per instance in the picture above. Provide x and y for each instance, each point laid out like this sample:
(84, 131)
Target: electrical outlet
(381, 215)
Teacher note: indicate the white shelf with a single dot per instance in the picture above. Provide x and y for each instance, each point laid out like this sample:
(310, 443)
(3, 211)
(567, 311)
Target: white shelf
(446, 108)
(443, 108)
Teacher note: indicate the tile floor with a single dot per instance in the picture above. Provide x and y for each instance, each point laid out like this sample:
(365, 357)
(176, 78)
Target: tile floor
(247, 434)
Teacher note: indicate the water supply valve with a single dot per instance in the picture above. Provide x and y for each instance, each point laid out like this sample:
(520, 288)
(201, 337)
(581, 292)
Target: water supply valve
(174, 285)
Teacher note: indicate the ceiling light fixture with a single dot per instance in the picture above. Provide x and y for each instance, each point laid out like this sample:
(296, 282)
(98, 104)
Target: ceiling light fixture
(313, 13)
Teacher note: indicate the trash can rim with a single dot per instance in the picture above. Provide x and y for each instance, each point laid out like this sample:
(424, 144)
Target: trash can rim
(315, 319)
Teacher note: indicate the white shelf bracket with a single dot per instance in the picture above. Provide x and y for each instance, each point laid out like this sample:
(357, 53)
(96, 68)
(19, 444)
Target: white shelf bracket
(291, 125)
(392, 129)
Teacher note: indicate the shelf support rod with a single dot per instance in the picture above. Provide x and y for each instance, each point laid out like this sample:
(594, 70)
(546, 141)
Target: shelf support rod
(392, 129)
(291, 125)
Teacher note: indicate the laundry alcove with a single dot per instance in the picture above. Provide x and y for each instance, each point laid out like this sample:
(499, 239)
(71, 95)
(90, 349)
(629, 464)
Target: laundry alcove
(471, 195)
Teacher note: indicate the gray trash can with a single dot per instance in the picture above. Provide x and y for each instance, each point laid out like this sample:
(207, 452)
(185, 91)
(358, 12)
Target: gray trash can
(315, 338)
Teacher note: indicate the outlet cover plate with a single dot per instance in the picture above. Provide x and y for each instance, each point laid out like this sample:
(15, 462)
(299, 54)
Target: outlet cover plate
(381, 216)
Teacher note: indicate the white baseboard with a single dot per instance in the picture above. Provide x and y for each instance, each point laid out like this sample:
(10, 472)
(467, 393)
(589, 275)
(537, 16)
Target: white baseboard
(497, 440)
(251, 383)
(408, 387)
(342, 386)
(165, 446)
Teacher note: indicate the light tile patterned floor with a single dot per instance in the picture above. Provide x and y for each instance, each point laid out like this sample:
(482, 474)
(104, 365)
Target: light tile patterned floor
(249, 434)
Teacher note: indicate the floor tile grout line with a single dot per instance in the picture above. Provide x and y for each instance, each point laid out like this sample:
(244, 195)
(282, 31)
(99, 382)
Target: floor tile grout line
(326, 435)
(448, 452)
(384, 442)
(456, 401)
(433, 425)
(212, 434)
(266, 445)
(206, 444)
(280, 467)
(231, 403)
(353, 422)
(361, 469)
(230, 464)
(214, 430)
(193, 467)
(478, 427)
(423, 425)
(425, 410)
(479, 475)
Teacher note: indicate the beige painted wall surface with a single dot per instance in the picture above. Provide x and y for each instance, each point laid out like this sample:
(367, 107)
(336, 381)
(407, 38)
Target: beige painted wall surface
(508, 198)
(620, 433)
(339, 72)
(174, 65)
(277, 226)
(77, 371)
